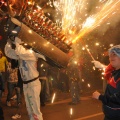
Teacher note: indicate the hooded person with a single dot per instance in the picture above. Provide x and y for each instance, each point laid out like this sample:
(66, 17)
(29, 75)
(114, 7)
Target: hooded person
(111, 97)
(27, 60)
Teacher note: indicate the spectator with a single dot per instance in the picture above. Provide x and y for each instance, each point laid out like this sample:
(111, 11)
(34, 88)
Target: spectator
(111, 97)
(13, 84)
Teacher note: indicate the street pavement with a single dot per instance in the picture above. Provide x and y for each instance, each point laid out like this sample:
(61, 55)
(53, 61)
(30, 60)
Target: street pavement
(87, 109)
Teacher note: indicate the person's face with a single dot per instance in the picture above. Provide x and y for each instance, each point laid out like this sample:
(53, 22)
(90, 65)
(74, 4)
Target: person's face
(114, 60)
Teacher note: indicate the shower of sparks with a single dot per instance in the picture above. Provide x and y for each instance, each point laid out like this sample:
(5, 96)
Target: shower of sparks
(91, 23)
(75, 16)
(53, 98)
(88, 23)
(69, 10)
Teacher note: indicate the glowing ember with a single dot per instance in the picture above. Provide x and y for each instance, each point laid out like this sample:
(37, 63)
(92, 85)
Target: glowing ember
(53, 98)
(89, 85)
(71, 111)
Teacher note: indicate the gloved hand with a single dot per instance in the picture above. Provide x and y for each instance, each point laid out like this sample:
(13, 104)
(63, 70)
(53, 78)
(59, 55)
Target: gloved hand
(98, 64)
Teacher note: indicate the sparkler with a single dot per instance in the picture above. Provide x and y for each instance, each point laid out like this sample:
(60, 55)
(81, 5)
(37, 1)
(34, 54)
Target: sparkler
(88, 51)
(90, 54)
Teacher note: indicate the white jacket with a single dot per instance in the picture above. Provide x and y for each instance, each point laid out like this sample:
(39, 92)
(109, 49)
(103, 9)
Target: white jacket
(27, 60)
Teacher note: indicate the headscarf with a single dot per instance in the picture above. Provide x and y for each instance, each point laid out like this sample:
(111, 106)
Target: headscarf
(115, 49)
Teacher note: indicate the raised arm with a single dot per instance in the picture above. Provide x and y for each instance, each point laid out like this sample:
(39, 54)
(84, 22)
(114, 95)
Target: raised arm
(99, 64)
(9, 52)
(26, 54)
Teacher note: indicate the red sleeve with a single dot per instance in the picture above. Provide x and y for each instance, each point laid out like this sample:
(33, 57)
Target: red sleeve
(108, 72)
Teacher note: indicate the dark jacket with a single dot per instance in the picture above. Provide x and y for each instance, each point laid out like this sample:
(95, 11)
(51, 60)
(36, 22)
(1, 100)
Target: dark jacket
(111, 97)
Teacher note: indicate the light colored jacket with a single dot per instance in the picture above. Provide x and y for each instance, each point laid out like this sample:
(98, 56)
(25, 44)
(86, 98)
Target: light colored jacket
(27, 60)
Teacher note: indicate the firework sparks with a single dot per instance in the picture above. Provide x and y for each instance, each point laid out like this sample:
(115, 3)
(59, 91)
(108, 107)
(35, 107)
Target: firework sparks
(53, 98)
(69, 10)
(89, 85)
(97, 19)
(88, 23)
(71, 111)
(75, 14)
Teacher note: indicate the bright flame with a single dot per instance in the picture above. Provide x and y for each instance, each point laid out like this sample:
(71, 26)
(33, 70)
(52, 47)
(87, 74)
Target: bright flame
(88, 23)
